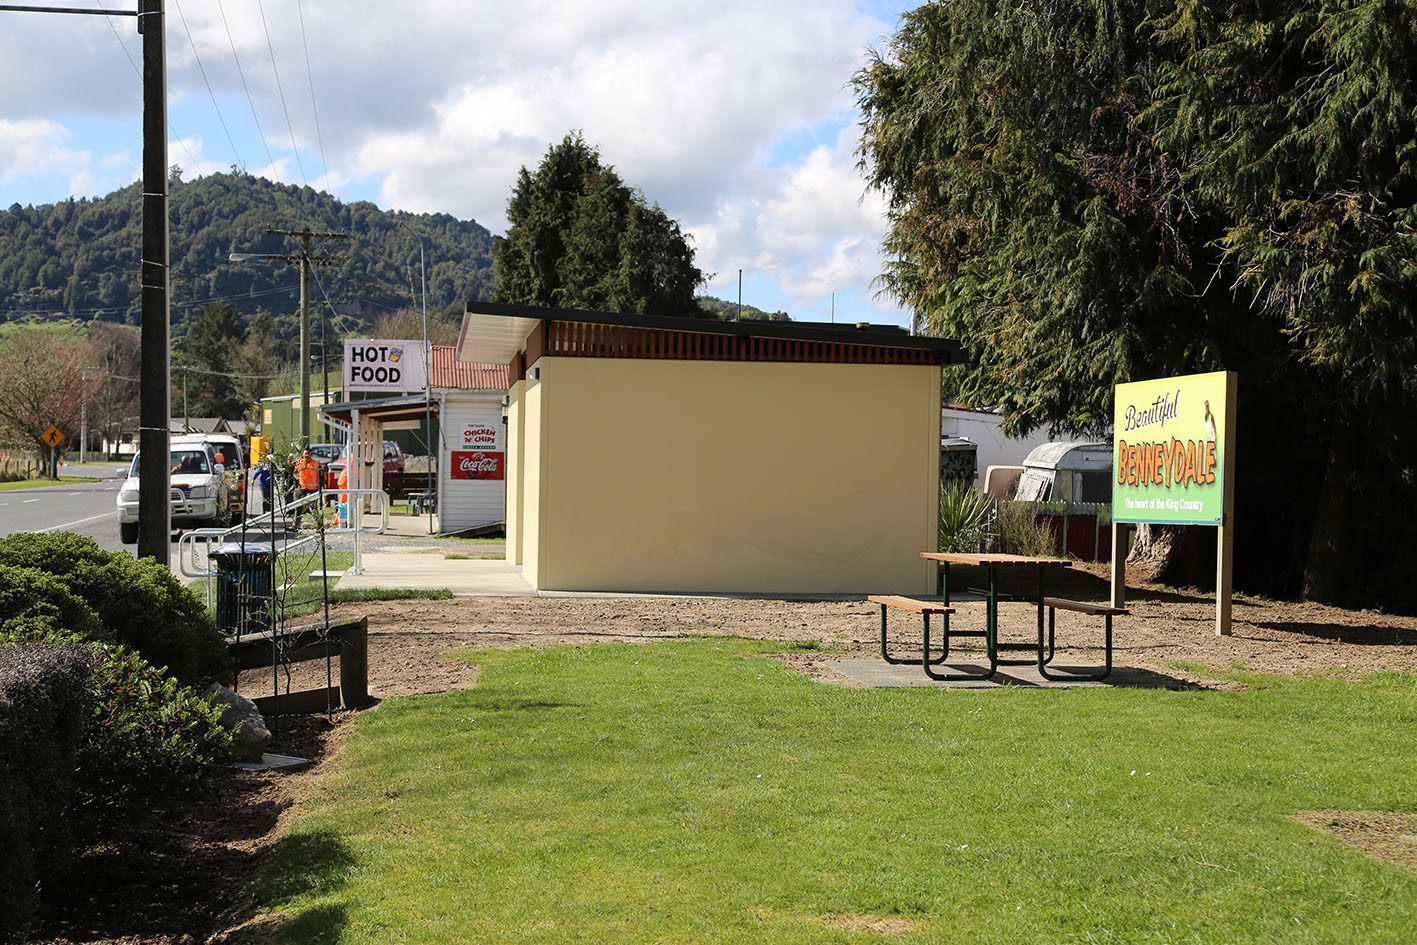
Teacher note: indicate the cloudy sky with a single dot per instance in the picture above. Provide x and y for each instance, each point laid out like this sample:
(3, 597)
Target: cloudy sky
(736, 117)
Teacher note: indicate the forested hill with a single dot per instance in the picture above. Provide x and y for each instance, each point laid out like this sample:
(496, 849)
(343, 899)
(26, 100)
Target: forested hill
(79, 258)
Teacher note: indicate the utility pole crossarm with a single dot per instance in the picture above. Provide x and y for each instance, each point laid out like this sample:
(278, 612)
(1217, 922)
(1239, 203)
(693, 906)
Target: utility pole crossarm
(304, 259)
(12, 8)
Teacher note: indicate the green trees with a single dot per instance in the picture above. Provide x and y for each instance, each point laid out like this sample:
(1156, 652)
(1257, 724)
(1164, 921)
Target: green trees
(209, 350)
(580, 238)
(76, 256)
(42, 382)
(1096, 191)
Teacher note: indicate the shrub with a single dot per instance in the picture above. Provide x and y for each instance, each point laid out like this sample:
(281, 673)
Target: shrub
(140, 603)
(44, 713)
(150, 737)
(37, 607)
(1021, 533)
(963, 515)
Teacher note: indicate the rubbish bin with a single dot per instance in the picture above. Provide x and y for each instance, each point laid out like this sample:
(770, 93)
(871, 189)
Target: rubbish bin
(243, 585)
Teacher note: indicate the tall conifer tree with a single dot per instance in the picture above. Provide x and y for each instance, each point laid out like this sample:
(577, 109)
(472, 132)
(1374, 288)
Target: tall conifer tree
(1095, 191)
(579, 237)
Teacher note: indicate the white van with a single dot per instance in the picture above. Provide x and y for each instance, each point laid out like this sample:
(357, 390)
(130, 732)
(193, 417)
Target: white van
(226, 449)
(199, 492)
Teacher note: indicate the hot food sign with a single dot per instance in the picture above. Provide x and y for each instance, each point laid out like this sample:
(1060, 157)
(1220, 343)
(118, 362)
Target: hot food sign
(376, 365)
(478, 464)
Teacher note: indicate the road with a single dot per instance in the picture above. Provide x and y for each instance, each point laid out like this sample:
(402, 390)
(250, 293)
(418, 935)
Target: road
(90, 508)
(87, 508)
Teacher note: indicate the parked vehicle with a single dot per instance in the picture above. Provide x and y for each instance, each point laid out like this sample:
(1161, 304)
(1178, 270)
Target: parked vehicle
(1072, 482)
(1067, 472)
(327, 452)
(393, 462)
(393, 457)
(226, 449)
(328, 455)
(199, 493)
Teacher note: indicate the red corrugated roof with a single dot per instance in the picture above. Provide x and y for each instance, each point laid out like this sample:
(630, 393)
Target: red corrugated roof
(448, 372)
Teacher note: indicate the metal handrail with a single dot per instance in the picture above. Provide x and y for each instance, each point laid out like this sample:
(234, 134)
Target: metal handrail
(187, 543)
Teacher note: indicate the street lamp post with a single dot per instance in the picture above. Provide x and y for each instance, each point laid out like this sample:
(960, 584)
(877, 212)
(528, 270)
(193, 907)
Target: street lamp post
(427, 383)
(84, 412)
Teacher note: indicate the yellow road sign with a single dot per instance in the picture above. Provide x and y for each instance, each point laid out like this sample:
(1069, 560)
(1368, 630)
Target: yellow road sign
(52, 436)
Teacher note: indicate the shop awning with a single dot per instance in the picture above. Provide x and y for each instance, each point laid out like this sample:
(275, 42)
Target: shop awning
(383, 409)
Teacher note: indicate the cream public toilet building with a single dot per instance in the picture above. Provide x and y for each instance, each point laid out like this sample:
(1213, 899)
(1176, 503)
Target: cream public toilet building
(669, 455)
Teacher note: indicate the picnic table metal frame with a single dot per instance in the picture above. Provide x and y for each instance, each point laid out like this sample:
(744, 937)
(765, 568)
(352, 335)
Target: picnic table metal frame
(1042, 649)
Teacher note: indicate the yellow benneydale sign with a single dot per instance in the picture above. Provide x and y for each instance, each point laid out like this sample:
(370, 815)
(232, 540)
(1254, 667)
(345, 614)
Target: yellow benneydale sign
(1169, 450)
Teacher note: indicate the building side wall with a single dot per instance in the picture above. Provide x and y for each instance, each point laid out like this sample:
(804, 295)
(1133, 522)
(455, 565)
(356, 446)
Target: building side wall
(533, 484)
(516, 445)
(464, 503)
(706, 476)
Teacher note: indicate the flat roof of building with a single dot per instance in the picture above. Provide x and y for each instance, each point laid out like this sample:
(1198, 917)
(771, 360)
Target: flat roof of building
(495, 332)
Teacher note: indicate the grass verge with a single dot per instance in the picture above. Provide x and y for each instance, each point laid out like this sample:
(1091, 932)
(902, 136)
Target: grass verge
(687, 792)
(42, 483)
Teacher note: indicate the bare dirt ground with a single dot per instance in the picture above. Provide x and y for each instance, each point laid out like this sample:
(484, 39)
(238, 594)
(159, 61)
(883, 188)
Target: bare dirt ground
(1169, 630)
(170, 880)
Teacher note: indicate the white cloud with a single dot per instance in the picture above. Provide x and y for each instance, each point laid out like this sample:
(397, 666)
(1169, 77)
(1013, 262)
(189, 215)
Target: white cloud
(715, 111)
(813, 226)
(37, 145)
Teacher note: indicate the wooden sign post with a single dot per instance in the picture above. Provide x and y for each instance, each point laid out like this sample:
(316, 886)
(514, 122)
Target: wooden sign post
(1173, 448)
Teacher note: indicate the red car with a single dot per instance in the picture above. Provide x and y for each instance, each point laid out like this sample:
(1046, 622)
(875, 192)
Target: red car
(393, 462)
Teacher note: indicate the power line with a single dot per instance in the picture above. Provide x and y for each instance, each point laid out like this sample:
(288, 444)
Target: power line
(218, 298)
(195, 55)
(247, 377)
(319, 138)
(280, 90)
(197, 165)
(270, 161)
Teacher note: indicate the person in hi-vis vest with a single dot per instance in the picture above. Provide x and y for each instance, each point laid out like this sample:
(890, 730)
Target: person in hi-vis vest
(307, 481)
(344, 515)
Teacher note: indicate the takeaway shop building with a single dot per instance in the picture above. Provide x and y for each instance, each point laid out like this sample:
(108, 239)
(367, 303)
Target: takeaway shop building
(660, 454)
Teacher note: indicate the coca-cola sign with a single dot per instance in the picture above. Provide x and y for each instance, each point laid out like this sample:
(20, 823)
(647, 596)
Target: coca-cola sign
(477, 464)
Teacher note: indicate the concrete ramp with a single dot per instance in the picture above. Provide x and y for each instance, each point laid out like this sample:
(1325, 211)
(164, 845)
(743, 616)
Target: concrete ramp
(430, 570)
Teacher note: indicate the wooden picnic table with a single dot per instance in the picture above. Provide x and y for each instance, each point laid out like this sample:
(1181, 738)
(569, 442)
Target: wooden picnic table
(1042, 648)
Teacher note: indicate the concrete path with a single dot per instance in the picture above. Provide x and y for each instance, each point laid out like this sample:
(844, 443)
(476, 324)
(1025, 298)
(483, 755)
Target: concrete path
(429, 570)
(877, 673)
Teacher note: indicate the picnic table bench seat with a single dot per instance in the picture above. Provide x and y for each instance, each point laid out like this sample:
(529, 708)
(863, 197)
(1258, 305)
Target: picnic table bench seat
(1106, 611)
(925, 608)
(911, 604)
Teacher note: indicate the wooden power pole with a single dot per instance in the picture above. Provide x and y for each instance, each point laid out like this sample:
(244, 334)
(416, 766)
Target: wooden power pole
(154, 410)
(155, 397)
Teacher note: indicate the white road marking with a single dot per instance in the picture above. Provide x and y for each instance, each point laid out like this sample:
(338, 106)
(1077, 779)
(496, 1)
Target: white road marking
(91, 518)
(28, 501)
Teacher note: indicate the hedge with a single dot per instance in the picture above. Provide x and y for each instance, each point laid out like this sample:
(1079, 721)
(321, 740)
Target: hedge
(44, 719)
(139, 602)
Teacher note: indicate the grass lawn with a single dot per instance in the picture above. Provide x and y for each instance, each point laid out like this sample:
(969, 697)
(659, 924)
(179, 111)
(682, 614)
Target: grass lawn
(304, 594)
(687, 792)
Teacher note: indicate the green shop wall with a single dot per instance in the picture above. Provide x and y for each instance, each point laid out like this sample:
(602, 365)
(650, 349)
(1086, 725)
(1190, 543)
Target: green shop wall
(284, 423)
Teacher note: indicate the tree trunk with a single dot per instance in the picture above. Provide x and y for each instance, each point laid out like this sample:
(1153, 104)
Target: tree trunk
(1179, 555)
(1333, 571)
